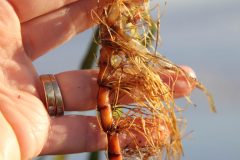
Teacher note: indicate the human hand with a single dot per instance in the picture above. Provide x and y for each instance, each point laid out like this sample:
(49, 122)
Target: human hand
(28, 29)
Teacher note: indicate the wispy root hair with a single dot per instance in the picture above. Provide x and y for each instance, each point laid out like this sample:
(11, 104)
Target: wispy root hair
(132, 67)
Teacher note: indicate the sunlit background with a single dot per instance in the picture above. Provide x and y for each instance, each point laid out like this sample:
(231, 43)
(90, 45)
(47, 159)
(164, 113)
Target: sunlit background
(204, 34)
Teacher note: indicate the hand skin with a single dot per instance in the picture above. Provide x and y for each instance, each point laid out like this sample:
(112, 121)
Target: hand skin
(26, 130)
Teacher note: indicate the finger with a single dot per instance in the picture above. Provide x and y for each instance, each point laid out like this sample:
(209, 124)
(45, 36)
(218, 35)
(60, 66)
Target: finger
(74, 134)
(50, 30)
(58, 25)
(28, 10)
(179, 84)
(79, 88)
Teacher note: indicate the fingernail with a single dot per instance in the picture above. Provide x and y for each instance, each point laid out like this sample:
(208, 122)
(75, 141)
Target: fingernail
(189, 70)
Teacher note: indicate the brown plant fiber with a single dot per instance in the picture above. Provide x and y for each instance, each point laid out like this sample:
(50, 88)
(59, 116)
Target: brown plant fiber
(130, 66)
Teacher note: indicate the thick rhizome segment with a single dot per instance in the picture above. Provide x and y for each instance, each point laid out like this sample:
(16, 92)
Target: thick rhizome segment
(130, 69)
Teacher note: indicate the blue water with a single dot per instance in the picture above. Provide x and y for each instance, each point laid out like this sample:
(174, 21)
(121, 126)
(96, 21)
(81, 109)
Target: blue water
(206, 36)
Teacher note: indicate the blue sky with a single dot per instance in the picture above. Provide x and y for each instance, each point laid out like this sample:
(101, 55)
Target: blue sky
(204, 34)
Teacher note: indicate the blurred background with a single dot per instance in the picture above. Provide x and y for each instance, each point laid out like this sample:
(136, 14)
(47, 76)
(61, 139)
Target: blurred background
(206, 36)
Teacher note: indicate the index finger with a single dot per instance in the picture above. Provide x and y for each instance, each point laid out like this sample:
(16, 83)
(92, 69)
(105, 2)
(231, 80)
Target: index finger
(27, 9)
